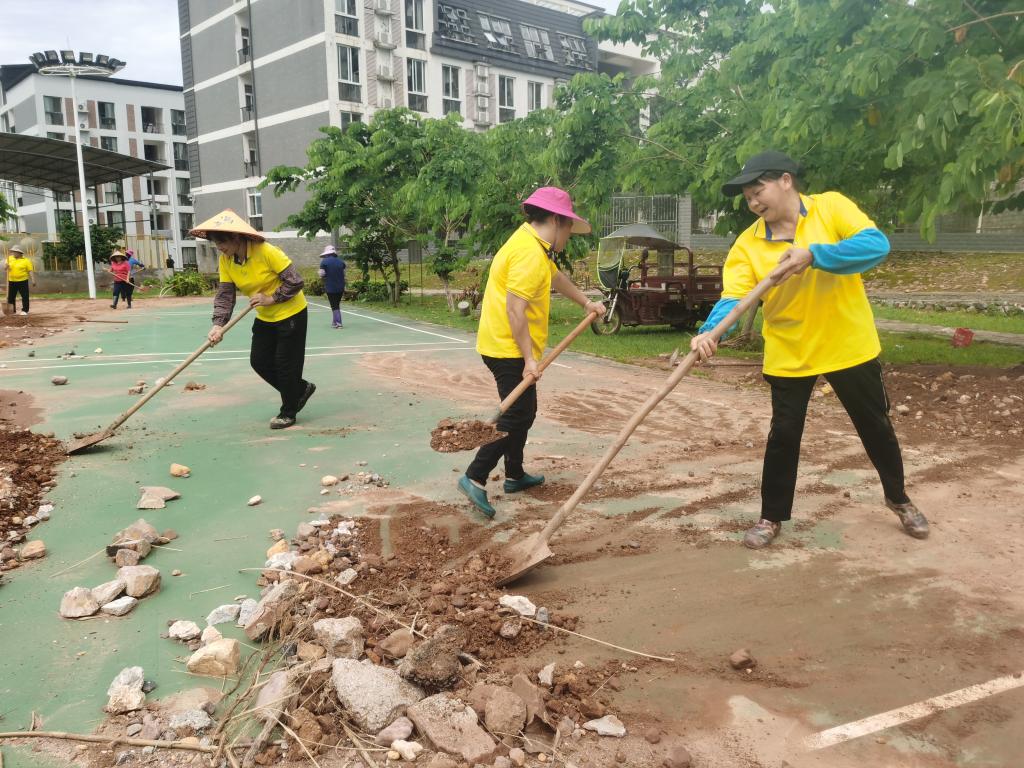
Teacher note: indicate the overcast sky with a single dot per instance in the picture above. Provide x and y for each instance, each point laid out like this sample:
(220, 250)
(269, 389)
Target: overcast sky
(143, 33)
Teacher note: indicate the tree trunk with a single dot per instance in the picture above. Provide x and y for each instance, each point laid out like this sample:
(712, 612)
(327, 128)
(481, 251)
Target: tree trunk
(396, 290)
(448, 292)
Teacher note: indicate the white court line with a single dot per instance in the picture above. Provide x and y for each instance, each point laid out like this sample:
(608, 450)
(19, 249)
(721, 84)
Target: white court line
(388, 322)
(448, 348)
(894, 717)
(216, 351)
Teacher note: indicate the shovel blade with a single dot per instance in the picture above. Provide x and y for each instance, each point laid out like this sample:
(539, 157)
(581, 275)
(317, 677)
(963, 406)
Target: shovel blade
(525, 556)
(82, 443)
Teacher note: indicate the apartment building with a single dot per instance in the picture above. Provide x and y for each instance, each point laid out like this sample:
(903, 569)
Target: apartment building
(262, 76)
(144, 120)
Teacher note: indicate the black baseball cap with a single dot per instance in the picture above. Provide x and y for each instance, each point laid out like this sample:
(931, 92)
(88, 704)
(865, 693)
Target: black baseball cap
(756, 167)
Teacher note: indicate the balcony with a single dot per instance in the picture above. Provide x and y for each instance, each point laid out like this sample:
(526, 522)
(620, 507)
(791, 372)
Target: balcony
(152, 128)
(185, 201)
(178, 129)
(108, 123)
(346, 25)
(249, 168)
(181, 163)
(350, 92)
(247, 114)
(244, 54)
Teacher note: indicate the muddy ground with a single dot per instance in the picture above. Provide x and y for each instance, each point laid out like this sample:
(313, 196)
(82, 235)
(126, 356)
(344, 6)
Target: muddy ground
(844, 614)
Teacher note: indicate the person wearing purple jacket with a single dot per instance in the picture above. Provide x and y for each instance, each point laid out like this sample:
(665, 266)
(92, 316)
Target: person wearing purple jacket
(332, 271)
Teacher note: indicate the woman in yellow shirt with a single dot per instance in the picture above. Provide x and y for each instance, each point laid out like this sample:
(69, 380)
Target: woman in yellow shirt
(19, 273)
(817, 322)
(274, 286)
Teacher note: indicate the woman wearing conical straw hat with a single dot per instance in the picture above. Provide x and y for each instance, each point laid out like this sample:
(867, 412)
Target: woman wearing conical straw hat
(267, 276)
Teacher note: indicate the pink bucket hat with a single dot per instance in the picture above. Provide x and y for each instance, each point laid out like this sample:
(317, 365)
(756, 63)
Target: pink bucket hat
(558, 201)
(329, 251)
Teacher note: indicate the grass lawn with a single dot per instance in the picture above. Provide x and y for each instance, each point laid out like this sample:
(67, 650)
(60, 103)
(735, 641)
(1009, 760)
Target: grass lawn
(646, 342)
(976, 321)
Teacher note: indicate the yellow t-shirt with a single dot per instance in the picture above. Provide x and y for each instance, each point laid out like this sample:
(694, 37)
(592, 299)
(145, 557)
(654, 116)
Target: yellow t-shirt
(523, 267)
(18, 268)
(815, 322)
(259, 274)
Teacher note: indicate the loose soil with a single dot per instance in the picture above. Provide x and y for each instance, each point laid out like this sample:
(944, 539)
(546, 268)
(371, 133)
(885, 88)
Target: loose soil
(451, 436)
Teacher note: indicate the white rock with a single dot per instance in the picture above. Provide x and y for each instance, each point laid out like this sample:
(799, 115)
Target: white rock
(282, 560)
(120, 607)
(245, 611)
(328, 480)
(373, 695)
(254, 501)
(45, 509)
(59, 380)
(210, 635)
(108, 591)
(125, 691)
(99, 350)
(519, 604)
(31, 520)
(275, 696)
(347, 576)
(217, 659)
(195, 719)
(409, 750)
(222, 614)
(401, 728)
(184, 630)
(547, 675)
(343, 638)
(609, 725)
(78, 602)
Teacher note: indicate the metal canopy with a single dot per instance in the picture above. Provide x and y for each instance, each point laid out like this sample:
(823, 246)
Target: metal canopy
(641, 234)
(51, 163)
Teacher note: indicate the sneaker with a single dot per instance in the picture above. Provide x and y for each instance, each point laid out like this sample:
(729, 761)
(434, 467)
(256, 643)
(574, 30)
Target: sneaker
(335, 325)
(524, 482)
(23, 314)
(913, 521)
(113, 306)
(477, 495)
(282, 422)
(762, 534)
(310, 389)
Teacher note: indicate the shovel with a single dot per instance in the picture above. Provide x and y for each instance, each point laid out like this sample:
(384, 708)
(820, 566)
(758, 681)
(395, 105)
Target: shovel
(532, 551)
(471, 433)
(97, 437)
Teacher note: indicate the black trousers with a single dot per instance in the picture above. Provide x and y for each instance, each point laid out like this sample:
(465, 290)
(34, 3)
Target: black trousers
(124, 290)
(862, 392)
(278, 353)
(334, 299)
(16, 288)
(516, 421)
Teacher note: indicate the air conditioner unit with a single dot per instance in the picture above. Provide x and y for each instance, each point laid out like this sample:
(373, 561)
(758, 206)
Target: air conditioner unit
(83, 126)
(384, 72)
(83, 107)
(91, 201)
(481, 70)
(383, 5)
(92, 222)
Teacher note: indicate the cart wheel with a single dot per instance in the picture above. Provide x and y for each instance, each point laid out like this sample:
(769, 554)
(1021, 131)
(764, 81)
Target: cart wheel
(604, 327)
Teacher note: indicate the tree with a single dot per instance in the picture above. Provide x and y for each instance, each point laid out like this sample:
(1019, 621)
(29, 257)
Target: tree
(355, 178)
(71, 242)
(914, 108)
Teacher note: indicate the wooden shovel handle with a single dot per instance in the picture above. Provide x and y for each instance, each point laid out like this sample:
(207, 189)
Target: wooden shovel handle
(170, 377)
(529, 379)
(748, 301)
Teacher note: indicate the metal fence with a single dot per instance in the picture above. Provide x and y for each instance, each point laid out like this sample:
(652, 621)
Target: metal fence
(662, 212)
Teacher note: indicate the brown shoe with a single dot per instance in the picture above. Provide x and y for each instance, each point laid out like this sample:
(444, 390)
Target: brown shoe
(762, 534)
(913, 521)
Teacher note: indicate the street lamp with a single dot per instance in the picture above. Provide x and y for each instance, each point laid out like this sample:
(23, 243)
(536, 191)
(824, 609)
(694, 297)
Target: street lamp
(49, 63)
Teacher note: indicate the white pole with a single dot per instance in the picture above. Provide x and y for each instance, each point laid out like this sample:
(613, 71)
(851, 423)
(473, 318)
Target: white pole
(175, 221)
(81, 188)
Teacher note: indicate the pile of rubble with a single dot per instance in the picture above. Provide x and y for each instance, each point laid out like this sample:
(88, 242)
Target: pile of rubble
(27, 463)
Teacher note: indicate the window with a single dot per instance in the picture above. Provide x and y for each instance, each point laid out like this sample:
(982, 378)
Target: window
(254, 198)
(180, 156)
(347, 118)
(152, 120)
(417, 84)
(248, 102)
(506, 99)
(105, 109)
(57, 136)
(113, 192)
(537, 43)
(415, 32)
(52, 108)
(348, 74)
(178, 122)
(346, 18)
(534, 96)
(453, 23)
(184, 191)
(576, 53)
(108, 143)
(245, 51)
(498, 33)
(115, 219)
(450, 89)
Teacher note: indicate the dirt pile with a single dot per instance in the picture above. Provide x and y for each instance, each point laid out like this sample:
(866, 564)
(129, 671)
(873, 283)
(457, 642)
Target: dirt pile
(27, 463)
(451, 436)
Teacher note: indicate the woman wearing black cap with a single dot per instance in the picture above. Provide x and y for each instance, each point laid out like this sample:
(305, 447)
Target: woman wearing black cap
(817, 322)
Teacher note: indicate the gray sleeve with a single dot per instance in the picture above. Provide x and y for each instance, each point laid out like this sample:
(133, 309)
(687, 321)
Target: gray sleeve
(223, 303)
(291, 284)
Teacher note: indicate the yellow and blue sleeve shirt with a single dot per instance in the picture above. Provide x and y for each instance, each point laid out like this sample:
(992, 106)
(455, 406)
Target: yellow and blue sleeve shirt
(818, 321)
(260, 273)
(523, 268)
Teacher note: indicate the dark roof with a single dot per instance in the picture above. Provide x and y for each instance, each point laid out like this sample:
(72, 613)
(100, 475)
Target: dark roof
(52, 164)
(12, 74)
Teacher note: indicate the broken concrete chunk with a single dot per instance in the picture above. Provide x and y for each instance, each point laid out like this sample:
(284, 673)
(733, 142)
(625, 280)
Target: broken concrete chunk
(147, 501)
(270, 609)
(246, 609)
(194, 720)
(343, 638)
(347, 576)
(125, 691)
(218, 659)
(108, 591)
(450, 726)
(161, 492)
(519, 604)
(222, 614)
(374, 696)
(184, 630)
(120, 607)
(407, 750)
(139, 580)
(546, 676)
(77, 603)
(609, 725)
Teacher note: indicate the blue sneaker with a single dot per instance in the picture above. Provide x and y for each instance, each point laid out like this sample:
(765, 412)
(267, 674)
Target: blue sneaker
(524, 482)
(477, 495)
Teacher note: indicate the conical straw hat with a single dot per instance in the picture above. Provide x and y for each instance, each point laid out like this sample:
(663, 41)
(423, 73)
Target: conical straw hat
(226, 221)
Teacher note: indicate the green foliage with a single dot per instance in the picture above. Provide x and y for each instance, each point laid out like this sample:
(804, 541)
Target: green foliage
(914, 109)
(71, 242)
(312, 283)
(6, 211)
(368, 291)
(188, 283)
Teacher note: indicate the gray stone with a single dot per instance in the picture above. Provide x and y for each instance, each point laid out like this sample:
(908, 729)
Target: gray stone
(246, 609)
(282, 561)
(133, 730)
(222, 614)
(160, 492)
(531, 695)
(125, 691)
(108, 591)
(519, 604)
(400, 729)
(742, 659)
(609, 725)
(271, 609)
(678, 757)
(140, 580)
(505, 715)
(343, 638)
(450, 726)
(184, 630)
(274, 697)
(121, 606)
(374, 696)
(434, 663)
(546, 676)
(396, 645)
(78, 602)
(195, 720)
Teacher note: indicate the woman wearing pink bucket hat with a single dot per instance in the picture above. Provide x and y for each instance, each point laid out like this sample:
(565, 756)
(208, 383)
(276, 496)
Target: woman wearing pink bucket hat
(514, 331)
